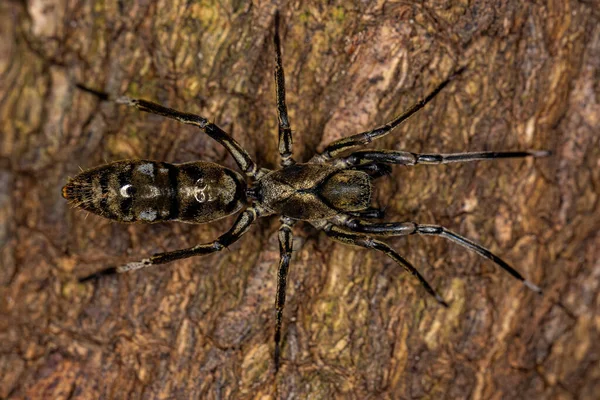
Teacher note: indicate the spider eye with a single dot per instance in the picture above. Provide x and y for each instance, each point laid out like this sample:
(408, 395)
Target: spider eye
(127, 191)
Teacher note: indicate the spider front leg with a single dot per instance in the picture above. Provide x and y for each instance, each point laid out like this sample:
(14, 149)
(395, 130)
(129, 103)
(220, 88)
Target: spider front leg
(411, 228)
(363, 240)
(408, 158)
(285, 255)
(339, 146)
(285, 131)
(241, 156)
(239, 228)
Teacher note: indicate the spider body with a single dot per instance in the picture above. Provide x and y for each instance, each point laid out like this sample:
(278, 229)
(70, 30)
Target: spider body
(332, 191)
(200, 192)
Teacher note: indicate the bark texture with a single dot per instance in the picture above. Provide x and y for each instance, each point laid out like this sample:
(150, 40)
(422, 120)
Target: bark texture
(355, 325)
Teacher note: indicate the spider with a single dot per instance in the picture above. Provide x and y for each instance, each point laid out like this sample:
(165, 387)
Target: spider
(331, 191)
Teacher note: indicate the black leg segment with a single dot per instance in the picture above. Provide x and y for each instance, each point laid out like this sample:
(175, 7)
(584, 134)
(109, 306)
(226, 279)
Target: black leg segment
(241, 157)
(369, 213)
(375, 170)
(339, 146)
(408, 158)
(285, 255)
(363, 240)
(410, 228)
(239, 228)
(285, 132)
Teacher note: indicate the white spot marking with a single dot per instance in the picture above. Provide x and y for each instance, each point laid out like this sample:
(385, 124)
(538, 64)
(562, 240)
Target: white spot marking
(533, 287)
(123, 190)
(132, 266)
(147, 169)
(202, 192)
(148, 215)
(199, 194)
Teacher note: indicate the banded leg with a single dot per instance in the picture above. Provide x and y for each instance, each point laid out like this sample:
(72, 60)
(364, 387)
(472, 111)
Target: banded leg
(407, 158)
(241, 157)
(239, 228)
(285, 132)
(285, 255)
(411, 228)
(362, 240)
(360, 139)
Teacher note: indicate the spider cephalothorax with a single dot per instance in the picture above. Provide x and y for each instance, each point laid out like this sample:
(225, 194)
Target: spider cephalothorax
(331, 191)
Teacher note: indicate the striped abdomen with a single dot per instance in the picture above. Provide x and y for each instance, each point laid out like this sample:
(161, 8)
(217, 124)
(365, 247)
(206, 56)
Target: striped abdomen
(150, 191)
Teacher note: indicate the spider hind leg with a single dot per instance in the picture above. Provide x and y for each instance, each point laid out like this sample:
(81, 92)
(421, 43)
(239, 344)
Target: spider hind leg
(363, 240)
(411, 228)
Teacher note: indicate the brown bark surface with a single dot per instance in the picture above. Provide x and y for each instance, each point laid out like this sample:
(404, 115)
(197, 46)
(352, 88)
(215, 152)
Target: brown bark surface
(355, 325)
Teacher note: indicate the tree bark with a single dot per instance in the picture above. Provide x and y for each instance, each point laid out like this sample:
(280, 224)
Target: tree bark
(355, 325)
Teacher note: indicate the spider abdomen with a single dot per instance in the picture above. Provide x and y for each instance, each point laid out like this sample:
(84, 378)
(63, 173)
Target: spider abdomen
(149, 191)
(314, 191)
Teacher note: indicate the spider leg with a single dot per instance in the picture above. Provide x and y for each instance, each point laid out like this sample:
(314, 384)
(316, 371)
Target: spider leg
(335, 148)
(375, 170)
(241, 156)
(239, 228)
(285, 132)
(366, 157)
(363, 240)
(411, 228)
(369, 213)
(285, 255)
